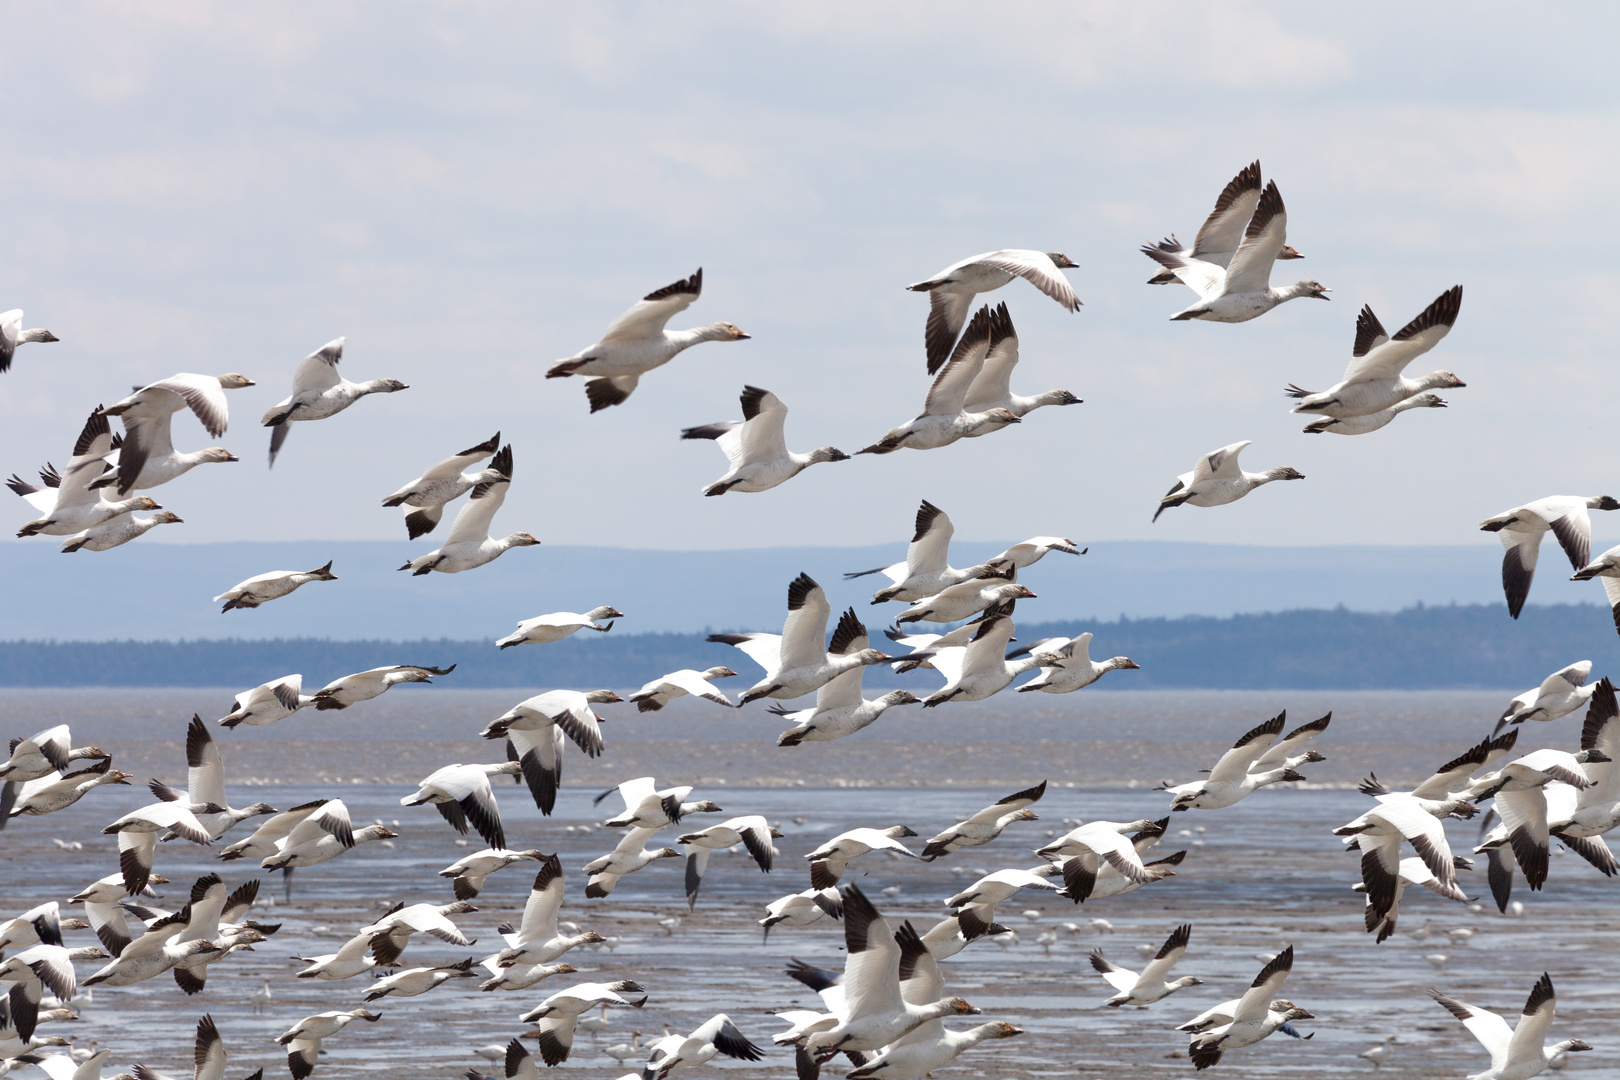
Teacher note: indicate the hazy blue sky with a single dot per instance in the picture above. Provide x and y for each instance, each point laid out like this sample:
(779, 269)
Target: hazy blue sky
(471, 191)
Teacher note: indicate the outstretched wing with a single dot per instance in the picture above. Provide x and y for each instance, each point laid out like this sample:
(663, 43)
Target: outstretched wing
(1037, 268)
(1388, 358)
(653, 311)
(1222, 231)
(950, 387)
(993, 385)
(1250, 268)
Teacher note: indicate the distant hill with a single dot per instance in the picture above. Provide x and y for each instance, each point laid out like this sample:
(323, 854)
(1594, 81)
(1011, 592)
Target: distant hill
(1422, 647)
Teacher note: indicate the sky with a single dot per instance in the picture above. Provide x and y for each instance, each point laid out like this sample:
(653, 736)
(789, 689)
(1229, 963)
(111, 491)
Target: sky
(471, 191)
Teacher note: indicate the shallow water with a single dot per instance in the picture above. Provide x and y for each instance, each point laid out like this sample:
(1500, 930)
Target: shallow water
(1263, 874)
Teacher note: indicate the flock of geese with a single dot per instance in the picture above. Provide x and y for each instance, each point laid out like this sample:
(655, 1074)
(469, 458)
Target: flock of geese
(885, 1012)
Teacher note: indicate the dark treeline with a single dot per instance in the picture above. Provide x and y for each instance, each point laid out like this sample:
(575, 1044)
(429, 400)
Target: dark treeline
(1459, 646)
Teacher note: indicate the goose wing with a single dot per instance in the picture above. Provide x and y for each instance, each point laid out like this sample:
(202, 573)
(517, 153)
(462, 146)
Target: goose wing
(203, 395)
(208, 1054)
(452, 466)
(318, 371)
(1569, 521)
(205, 771)
(539, 922)
(1491, 1030)
(1453, 775)
(145, 437)
(872, 966)
(1037, 268)
(1256, 1000)
(948, 392)
(763, 649)
(1121, 979)
(1530, 1033)
(1222, 231)
(1263, 240)
(1287, 746)
(1235, 763)
(1387, 357)
(331, 819)
(652, 312)
(1158, 969)
(473, 519)
(1016, 801)
(760, 438)
(695, 684)
(992, 386)
(804, 634)
(1219, 464)
(930, 542)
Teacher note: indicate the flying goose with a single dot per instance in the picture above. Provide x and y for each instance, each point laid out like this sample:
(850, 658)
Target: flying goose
(1032, 551)
(303, 1039)
(469, 544)
(963, 601)
(366, 685)
(558, 1014)
(646, 807)
(1412, 871)
(1368, 422)
(537, 940)
(636, 342)
(57, 791)
(1559, 694)
(1379, 834)
(1606, 567)
(1518, 1051)
(1233, 778)
(267, 702)
(1597, 808)
(117, 531)
(319, 392)
(463, 796)
(627, 856)
(660, 692)
(1373, 381)
(1222, 232)
(828, 861)
(944, 418)
(1217, 479)
(208, 1057)
(12, 335)
(205, 785)
(468, 873)
(926, 570)
(536, 728)
(138, 830)
(840, 707)
(322, 835)
(1093, 845)
(752, 831)
(413, 982)
(977, 903)
(45, 752)
(522, 976)
(390, 934)
(263, 588)
(1242, 289)
(262, 843)
(795, 661)
(802, 909)
(952, 290)
(715, 1036)
(34, 970)
(1074, 668)
(756, 446)
(545, 629)
(1252, 1019)
(153, 953)
(73, 506)
(992, 387)
(1522, 528)
(428, 493)
(987, 824)
(1152, 984)
(354, 957)
(147, 457)
(977, 670)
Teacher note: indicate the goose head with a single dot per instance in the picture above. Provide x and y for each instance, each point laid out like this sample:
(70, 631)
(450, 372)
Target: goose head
(899, 697)
(234, 381)
(603, 697)
(521, 539)
(827, 453)
(1603, 502)
(1444, 378)
(1285, 472)
(1313, 289)
(724, 331)
(386, 386)
(1427, 401)
(1123, 663)
(1289, 253)
(704, 806)
(365, 1014)
(664, 853)
(955, 1006)
(1002, 1030)
(867, 657)
(143, 502)
(1062, 261)
(215, 454)
(718, 673)
(169, 517)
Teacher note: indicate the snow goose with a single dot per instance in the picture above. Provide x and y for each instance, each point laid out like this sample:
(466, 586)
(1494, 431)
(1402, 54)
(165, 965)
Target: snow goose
(1373, 381)
(1091, 846)
(521, 976)
(263, 841)
(42, 925)
(1289, 751)
(795, 661)
(802, 909)
(56, 791)
(263, 588)
(1607, 567)
(984, 826)
(926, 570)
(536, 728)
(118, 531)
(715, 1036)
(977, 670)
(1597, 808)
(470, 544)
(628, 856)
(1559, 694)
(1443, 793)
(73, 506)
(319, 392)
(153, 953)
(976, 904)
(957, 602)
(1153, 983)
(751, 831)
(840, 708)
(646, 807)
(205, 785)
(34, 969)
(217, 916)
(1033, 550)
(537, 939)
(468, 873)
(1252, 1020)
(45, 752)
(636, 343)
(1242, 289)
(558, 1014)
(828, 862)
(1533, 794)
(1074, 669)
(1522, 528)
(992, 387)
(1379, 834)
(952, 290)
(12, 335)
(353, 958)
(1412, 871)
(390, 934)
(208, 1057)
(517, 1063)
(944, 418)
(462, 794)
(545, 629)
(267, 702)
(138, 830)
(366, 685)
(1369, 422)
(660, 692)
(303, 1039)
(1518, 1051)
(1217, 479)
(322, 836)
(1222, 232)
(873, 1012)
(757, 447)
(147, 457)
(427, 494)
